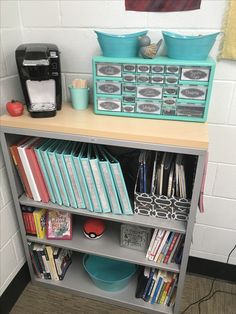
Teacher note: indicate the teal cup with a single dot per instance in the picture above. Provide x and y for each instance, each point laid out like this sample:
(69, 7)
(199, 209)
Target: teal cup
(79, 97)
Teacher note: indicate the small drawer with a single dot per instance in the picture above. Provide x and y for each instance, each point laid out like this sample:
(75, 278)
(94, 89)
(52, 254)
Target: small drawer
(168, 110)
(192, 92)
(169, 101)
(128, 107)
(144, 68)
(129, 67)
(157, 68)
(190, 110)
(195, 74)
(149, 92)
(170, 90)
(109, 104)
(129, 88)
(142, 78)
(171, 79)
(148, 106)
(105, 87)
(172, 69)
(128, 98)
(129, 78)
(158, 79)
(108, 69)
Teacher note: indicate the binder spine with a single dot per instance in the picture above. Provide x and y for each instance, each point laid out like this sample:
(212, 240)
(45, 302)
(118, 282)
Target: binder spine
(121, 189)
(111, 190)
(92, 189)
(67, 181)
(51, 177)
(100, 186)
(45, 175)
(58, 178)
(80, 176)
(74, 182)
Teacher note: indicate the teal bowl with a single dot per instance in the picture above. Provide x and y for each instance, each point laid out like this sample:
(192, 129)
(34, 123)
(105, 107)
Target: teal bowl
(119, 46)
(108, 274)
(188, 47)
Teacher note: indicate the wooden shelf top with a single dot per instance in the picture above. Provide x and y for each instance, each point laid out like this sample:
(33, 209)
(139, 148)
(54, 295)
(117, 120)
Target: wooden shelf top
(86, 123)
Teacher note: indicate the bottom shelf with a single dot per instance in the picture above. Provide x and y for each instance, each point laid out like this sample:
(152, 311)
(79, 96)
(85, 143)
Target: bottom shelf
(78, 281)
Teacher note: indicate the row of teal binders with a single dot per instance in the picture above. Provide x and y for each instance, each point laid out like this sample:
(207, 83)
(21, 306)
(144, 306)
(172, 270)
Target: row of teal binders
(83, 175)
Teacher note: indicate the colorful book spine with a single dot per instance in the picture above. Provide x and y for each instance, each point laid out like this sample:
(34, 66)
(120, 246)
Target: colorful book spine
(40, 222)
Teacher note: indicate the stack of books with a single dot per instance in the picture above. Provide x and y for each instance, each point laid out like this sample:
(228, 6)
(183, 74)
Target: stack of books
(53, 224)
(72, 174)
(49, 262)
(157, 286)
(165, 247)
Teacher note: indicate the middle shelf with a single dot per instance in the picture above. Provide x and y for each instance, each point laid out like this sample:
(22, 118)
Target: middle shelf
(108, 246)
(145, 221)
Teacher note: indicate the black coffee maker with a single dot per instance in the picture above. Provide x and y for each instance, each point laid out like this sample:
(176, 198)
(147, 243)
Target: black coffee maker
(40, 75)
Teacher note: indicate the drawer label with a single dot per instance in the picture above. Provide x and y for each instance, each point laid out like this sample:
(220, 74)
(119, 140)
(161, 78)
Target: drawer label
(109, 104)
(195, 74)
(149, 92)
(108, 88)
(108, 70)
(157, 68)
(193, 92)
(148, 107)
(129, 67)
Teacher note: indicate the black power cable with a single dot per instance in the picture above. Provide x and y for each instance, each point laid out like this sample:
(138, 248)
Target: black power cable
(209, 295)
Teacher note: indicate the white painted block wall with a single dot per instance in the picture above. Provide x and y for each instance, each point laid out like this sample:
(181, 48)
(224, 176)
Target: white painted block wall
(70, 25)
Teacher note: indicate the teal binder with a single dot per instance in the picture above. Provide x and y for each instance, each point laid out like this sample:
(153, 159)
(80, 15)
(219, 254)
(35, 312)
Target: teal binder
(83, 156)
(38, 153)
(65, 175)
(59, 184)
(119, 183)
(48, 166)
(102, 193)
(72, 176)
(79, 175)
(108, 181)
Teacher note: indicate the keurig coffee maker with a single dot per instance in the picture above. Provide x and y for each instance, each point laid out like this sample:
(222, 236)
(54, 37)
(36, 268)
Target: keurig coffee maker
(40, 75)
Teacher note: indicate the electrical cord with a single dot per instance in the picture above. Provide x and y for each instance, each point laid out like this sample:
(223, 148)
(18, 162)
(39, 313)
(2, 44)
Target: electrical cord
(209, 295)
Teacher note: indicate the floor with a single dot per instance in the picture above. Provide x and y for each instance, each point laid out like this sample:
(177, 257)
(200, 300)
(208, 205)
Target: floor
(35, 300)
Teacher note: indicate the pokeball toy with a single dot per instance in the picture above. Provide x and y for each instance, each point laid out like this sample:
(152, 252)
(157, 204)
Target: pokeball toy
(93, 228)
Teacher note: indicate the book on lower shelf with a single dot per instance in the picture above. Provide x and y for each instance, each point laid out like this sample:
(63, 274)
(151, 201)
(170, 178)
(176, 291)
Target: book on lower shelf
(157, 286)
(49, 262)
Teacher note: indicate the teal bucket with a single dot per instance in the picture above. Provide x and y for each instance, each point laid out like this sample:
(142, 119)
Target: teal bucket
(119, 46)
(108, 274)
(184, 47)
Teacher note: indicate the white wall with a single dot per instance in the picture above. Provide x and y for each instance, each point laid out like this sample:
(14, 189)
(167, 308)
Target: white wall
(70, 25)
(11, 251)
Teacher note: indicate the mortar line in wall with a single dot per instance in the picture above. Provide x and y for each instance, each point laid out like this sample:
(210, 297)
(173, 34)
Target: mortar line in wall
(91, 27)
(231, 103)
(221, 124)
(221, 197)
(214, 227)
(21, 20)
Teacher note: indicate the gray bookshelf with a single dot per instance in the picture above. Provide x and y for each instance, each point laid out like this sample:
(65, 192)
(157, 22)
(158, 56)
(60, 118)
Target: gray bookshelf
(178, 137)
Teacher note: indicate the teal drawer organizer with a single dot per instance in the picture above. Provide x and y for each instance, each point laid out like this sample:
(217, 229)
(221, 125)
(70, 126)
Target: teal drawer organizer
(159, 88)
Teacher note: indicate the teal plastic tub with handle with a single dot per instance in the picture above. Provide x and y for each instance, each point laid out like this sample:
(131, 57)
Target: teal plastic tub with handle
(120, 46)
(108, 274)
(185, 47)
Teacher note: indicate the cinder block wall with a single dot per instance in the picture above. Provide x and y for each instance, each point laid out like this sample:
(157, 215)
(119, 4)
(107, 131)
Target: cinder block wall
(70, 25)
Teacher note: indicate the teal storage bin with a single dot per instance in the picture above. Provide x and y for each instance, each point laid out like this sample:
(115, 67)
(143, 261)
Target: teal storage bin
(184, 47)
(120, 46)
(108, 274)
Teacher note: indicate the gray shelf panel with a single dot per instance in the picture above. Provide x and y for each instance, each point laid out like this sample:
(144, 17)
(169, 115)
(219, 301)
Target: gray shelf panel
(108, 245)
(145, 221)
(78, 281)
